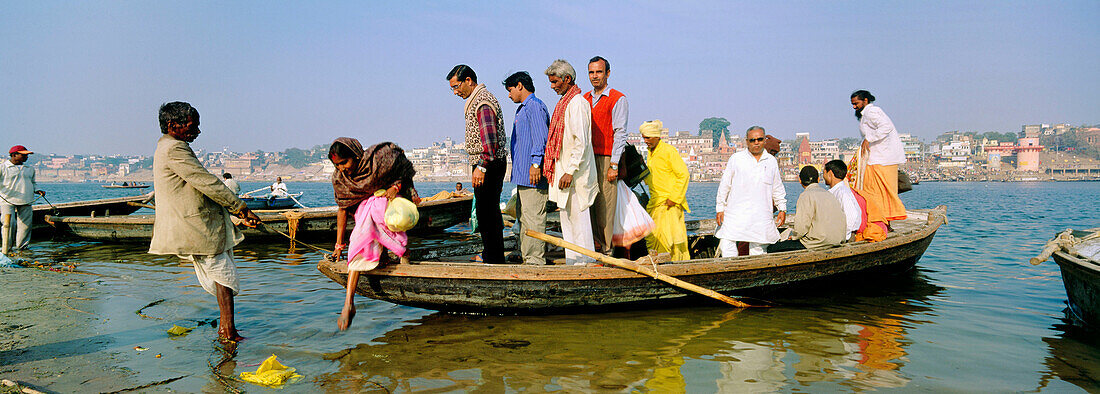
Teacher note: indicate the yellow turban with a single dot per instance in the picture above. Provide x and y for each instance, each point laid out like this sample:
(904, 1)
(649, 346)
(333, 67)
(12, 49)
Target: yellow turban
(651, 128)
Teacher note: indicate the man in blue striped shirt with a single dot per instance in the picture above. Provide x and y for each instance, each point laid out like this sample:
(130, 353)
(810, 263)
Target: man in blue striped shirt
(528, 144)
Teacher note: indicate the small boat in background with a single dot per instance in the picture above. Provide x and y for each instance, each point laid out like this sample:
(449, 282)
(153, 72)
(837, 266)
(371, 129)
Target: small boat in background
(271, 202)
(1078, 256)
(126, 185)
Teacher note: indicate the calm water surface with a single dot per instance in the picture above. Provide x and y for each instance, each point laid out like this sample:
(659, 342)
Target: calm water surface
(974, 316)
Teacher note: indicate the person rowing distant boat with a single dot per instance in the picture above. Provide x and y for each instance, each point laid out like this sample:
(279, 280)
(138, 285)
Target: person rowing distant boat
(278, 189)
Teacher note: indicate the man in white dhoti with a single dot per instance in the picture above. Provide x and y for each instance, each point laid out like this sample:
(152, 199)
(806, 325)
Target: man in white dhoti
(193, 208)
(750, 188)
(569, 161)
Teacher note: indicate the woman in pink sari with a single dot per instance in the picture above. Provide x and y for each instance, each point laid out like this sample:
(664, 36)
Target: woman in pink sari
(364, 182)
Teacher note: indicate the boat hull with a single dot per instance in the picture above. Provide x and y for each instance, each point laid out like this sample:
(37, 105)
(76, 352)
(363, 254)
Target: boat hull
(310, 223)
(270, 202)
(1082, 281)
(520, 289)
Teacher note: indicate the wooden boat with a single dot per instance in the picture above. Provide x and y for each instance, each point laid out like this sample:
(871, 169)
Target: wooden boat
(435, 216)
(270, 202)
(524, 289)
(1078, 256)
(112, 186)
(102, 207)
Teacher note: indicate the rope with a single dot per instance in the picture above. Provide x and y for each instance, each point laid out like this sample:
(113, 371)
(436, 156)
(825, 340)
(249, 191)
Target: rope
(1063, 241)
(319, 249)
(292, 222)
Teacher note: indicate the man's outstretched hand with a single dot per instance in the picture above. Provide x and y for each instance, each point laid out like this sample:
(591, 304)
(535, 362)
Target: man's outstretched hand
(248, 217)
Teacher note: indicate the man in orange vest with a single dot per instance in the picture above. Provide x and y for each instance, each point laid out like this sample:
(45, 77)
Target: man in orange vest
(609, 117)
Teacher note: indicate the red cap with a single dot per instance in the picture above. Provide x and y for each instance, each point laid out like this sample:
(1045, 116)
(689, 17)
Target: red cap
(19, 149)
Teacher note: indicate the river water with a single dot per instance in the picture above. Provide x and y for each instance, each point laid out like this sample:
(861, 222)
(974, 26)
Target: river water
(973, 316)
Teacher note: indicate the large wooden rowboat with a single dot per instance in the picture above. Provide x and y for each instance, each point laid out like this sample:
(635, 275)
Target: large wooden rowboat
(524, 289)
(103, 207)
(435, 216)
(1080, 266)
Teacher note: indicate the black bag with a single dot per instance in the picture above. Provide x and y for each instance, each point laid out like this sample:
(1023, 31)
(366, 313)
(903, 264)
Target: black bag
(904, 183)
(632, 164)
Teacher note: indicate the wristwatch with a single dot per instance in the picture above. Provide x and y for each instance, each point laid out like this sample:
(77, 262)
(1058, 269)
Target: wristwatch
(615, 166)
(536, 165)
(482, 169)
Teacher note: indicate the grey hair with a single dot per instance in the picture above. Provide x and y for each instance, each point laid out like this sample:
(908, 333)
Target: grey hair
(560, 68)
(754, 128)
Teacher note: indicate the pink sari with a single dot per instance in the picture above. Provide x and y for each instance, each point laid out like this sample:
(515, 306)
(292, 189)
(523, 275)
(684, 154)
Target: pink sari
(370, 235)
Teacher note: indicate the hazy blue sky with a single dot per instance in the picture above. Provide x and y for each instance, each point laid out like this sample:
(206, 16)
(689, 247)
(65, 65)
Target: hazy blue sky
(87, 77)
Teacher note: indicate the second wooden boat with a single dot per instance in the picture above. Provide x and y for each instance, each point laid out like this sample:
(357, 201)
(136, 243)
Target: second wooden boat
(308, 223)
(1078, 256)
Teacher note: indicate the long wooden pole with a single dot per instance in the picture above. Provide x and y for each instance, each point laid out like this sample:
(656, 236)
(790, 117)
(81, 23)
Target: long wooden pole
(631, 266)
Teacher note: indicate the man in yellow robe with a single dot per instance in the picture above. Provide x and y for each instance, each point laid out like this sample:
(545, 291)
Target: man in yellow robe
(668, 183)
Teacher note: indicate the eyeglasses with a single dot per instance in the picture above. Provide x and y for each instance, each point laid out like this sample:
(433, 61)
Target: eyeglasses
(751, 140)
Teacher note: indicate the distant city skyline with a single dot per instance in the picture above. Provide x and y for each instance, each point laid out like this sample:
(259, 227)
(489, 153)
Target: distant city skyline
(87, 77)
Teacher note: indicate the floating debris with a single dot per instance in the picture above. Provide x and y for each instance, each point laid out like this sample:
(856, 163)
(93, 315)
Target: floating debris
(271, 373)
(179, 331)
(140, 349)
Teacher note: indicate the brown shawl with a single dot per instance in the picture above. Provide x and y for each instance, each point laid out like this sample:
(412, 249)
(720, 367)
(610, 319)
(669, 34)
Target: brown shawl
(379, 167)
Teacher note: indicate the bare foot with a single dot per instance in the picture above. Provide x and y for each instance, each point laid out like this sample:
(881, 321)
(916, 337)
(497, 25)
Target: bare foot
(229, 335)
(346, 317)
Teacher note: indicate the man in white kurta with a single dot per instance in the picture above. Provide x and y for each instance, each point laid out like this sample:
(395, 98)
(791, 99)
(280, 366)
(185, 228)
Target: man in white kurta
(750, 188)
(573, 183)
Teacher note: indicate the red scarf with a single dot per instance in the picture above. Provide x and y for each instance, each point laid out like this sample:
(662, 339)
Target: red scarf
(557, 131)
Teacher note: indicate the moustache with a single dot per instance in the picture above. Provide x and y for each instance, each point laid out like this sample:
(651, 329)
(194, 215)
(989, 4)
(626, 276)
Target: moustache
(859, 113)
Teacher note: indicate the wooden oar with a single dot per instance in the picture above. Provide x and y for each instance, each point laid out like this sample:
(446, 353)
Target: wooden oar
(631, 266)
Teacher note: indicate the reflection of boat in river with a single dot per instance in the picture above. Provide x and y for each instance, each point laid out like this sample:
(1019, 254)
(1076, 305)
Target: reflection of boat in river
(1073, 358)
(855, 339)
(435, 216)
(525, 289)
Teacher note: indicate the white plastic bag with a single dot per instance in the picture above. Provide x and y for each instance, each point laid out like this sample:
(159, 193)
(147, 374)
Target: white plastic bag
(632, 222)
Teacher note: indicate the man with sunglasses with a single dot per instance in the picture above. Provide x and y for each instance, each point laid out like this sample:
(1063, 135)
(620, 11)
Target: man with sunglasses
(751, 187)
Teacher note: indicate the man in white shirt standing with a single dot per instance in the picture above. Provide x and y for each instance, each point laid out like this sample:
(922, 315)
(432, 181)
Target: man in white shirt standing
(883, 152)
(750, 188)
(569, 163)
(278, 189)
(16, 195)
(609, 117)
(835, 172)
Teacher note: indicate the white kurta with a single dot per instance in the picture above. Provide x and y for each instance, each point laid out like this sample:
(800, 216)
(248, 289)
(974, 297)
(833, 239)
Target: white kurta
(853, 215)
(885, 145)
(748, 191)
(576, 158)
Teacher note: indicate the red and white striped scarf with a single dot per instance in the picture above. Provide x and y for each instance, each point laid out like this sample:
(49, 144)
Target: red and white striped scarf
(557, 131)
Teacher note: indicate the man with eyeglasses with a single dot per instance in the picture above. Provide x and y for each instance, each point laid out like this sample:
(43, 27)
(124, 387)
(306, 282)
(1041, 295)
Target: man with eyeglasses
(751, 187)
(486, 146)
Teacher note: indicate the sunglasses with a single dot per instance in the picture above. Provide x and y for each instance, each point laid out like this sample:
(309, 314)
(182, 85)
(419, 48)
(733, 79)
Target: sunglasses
(751, 140)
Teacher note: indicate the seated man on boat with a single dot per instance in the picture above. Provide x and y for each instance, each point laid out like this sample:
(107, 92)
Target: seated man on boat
(231, 183)
(835, 176)
(668, 184)
(365, 182)
(193, 212)
(17, 192)
(750, 189)
(818, 217)
(460, 191)
(278, 189)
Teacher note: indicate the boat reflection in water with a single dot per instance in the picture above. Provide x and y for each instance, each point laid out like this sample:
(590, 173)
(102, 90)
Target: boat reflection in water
(847, 332)
(1073, 357)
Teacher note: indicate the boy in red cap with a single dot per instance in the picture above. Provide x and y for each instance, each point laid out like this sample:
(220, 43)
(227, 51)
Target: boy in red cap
(16, 195)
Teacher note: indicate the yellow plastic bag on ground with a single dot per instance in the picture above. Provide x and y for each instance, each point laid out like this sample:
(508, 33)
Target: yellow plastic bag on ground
(271, 373)
(177, 330)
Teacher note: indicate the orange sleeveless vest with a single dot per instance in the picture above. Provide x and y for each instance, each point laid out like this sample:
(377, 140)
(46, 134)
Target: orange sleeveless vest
(603, 134)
